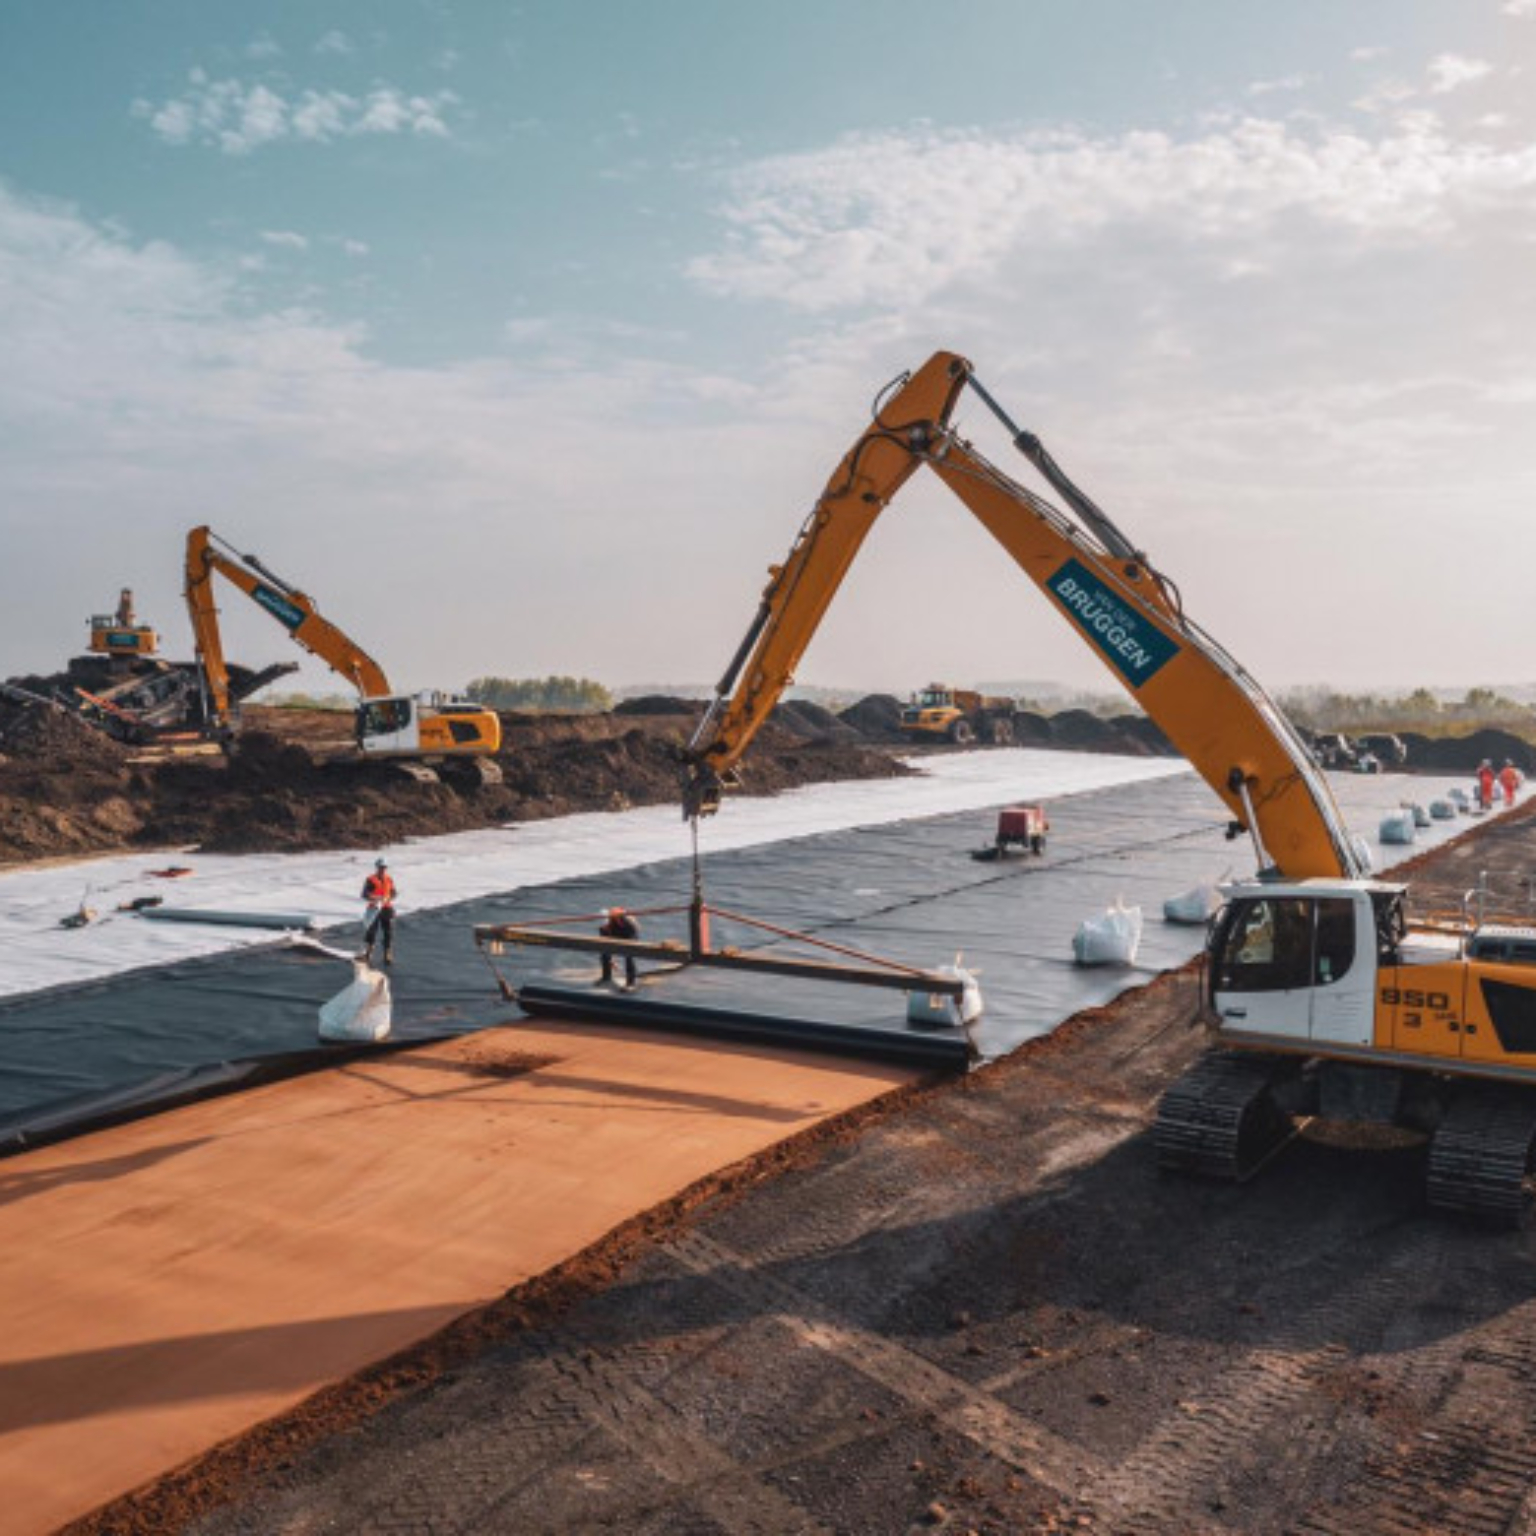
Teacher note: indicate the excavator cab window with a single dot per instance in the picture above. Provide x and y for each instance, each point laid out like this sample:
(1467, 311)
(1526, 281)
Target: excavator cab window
(384, 717)
(1284, 943)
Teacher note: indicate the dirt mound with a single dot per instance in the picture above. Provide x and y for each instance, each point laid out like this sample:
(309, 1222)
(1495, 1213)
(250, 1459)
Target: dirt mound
(810, 722)
(1033, 730)
(1082, 731)
(56, 741)
(658, 704)
(294, 782)
(1140, 736)
(1462, 754)
(876, 717)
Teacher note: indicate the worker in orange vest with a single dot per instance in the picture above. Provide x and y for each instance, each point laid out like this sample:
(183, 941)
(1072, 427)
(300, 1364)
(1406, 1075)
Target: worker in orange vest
(1509, 780)
(1485, 785)
(379, 893)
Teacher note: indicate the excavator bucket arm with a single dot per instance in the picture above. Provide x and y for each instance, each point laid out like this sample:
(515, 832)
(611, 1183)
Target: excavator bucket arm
(1212, 710)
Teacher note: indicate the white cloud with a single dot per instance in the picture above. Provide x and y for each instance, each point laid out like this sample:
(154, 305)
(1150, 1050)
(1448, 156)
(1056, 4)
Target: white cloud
(1364, 55)
(335, 41)
(1520, 7)
(288, 239)
(237, 118)
(1237, 341)
(896, 217)
(1451, 71)
(1283, 83)
(1385, 96)
(355, 247)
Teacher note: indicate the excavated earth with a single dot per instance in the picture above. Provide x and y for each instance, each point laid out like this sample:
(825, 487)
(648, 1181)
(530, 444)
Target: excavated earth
(971, 1307)
(66, 789)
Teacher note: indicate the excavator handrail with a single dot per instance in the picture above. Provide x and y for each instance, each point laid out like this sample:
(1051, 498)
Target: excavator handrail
(1205, 701)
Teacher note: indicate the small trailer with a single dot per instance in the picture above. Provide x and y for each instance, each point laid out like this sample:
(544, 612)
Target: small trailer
(1020, 829)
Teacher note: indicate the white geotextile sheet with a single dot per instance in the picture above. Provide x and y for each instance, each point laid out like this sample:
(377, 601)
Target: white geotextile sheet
(35, 953)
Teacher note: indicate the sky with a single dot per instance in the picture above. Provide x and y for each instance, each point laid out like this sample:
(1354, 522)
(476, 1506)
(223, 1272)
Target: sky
(523, 336)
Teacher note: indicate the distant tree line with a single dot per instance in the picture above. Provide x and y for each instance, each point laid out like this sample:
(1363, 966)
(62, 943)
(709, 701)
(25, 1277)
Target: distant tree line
(1420, 710)
(563, 694)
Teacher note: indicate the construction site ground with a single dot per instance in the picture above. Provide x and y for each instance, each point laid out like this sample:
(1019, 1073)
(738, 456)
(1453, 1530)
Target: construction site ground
(975, 1307)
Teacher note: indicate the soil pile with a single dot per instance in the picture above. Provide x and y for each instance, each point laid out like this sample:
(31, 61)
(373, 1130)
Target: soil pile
(876, 717)
(1462, 754)
(295, 784)
(658, 704)
(810, 722)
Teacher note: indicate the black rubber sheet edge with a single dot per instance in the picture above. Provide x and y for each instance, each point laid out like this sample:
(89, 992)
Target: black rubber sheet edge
(173, 1090)
(942, 1052)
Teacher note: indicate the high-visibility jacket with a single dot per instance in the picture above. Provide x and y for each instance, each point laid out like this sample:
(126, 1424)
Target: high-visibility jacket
(379, 890)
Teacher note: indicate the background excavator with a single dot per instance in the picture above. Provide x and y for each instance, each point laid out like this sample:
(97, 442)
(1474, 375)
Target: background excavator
(1320, 996)
(413, 729)
(120, 634)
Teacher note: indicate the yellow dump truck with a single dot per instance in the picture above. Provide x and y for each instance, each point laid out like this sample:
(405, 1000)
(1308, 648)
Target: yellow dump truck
(942, 712)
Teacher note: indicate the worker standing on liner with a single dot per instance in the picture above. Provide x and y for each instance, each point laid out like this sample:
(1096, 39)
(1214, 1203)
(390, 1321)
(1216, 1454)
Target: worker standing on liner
(1509, 780)
(1485, 784)
(379, 892)
(619, 925)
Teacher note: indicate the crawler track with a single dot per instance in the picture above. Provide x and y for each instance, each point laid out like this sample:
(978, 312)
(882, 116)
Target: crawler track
(1481, 1154)
(1220, 1120)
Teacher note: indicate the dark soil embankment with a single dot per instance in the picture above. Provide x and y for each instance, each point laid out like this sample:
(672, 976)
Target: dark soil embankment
(65, 789)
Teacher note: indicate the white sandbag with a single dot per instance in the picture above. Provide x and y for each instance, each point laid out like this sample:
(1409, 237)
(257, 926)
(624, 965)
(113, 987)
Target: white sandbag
(933, 1010)
(1365, 855)
(1397, 827)
(1443, 810)
(1198, 905)
(1112, 938)
(361, 1010)
(1420, 815)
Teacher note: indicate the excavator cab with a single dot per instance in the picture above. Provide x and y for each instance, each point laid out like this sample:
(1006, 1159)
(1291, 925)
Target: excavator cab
(118, 635)
(1296, 962)
(404, 725)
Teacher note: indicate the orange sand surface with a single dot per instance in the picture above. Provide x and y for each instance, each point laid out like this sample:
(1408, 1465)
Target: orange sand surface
(169, 1283)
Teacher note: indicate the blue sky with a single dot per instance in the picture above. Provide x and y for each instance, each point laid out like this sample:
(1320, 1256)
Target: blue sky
(524, 335)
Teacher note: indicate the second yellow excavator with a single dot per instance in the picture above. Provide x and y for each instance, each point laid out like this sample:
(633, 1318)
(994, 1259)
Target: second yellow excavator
(415, 729)
(1320, 995)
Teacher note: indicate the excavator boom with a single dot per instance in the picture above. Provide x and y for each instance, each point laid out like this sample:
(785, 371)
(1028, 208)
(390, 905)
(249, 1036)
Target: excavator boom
(388, 724)
(290, 607)
(1130, 616)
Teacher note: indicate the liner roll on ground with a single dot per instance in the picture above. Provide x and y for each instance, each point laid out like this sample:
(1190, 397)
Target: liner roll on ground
(944, 1052)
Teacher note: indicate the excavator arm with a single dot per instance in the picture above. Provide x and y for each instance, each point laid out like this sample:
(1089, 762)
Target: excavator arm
(1217, 716)
(290, 607)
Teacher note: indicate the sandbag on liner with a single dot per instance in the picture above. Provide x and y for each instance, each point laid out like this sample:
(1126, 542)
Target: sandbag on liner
(1112, 938)
(362, 1010)
(1197, 905)
(932, 1010)
(1397, 827)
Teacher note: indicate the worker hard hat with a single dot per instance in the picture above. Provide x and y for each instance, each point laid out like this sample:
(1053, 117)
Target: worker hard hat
(380, 864)
(616, 912)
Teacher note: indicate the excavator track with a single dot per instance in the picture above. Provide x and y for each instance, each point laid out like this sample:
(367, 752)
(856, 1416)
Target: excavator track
(1221, 1120)
(1481, 1154)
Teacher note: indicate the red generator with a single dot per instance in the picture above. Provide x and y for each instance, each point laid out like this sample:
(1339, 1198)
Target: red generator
(1020, 828)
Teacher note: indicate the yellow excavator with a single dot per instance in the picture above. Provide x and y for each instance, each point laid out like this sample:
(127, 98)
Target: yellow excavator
(119, 634)
(412, 729)
(1320, 996)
